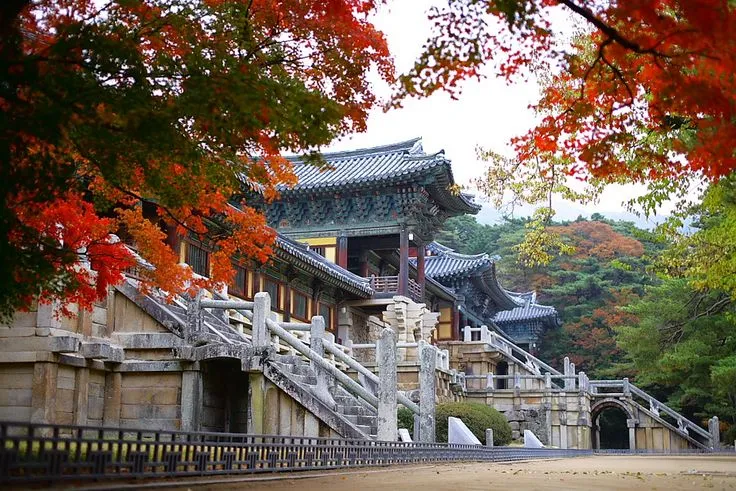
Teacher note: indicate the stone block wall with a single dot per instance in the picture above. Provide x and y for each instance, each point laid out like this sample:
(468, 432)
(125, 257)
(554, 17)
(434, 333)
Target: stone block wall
(151, 400)
(16, 382)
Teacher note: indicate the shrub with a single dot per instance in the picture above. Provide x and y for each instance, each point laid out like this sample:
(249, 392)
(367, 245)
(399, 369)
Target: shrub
(477, 417)
(406, 419)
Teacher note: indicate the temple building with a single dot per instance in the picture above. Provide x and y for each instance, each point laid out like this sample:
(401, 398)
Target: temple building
(375, 212)
(364, 311)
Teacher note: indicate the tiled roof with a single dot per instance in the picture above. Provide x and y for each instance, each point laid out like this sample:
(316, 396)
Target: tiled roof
(527, 312)
(444, 262)
(290, 249)
(395, 163)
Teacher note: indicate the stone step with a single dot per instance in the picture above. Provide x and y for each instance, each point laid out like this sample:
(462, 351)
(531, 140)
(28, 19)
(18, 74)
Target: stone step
(361, 420)
(303, 379)
(366, 429)
(351, 409)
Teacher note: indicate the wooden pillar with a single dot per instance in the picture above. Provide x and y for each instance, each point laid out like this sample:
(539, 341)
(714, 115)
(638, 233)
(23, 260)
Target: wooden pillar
(364, 270)
(421, 279)
(404, 261)
(287, 301)
(257, 281)
(455, 323)
(342, 252)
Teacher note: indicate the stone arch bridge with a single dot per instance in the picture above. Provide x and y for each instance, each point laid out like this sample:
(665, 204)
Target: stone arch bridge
(563, 408)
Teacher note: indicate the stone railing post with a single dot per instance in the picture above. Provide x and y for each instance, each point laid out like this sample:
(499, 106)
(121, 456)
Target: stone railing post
(261, 312)
(517, 380)
(195, 318)
(626, 387)
(386, 350)
(572, 374)
(427, 392)
(582, 382)
(490, 382)
(489, 437)
(467, 334)
(714, 427)
(566, 373)
(484, 334)
(317, 344)
(547, 380)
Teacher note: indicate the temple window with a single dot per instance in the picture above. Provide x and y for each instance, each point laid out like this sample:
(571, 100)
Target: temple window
(326, 311)
(198, 259)
(238, 286)
(299, 306)
(274, 290)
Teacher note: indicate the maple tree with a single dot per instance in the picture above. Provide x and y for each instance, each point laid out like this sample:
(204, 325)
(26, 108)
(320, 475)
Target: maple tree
(146, 119)
(642, 93)
(646, 92)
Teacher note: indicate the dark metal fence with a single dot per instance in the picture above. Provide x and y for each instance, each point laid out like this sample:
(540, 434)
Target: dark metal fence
(51, 453)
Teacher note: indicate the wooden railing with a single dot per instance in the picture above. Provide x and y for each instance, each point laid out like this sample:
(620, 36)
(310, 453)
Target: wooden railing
(390, 284)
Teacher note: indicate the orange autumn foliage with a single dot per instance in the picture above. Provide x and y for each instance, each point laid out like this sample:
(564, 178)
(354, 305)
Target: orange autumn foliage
(147, 118)
(645, 93)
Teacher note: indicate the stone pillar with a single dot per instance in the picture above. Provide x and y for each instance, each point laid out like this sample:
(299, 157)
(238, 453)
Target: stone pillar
(404, 261)
(485, 334)
(467, 334)
(489, 437)
(256, 403)
(46, 316)
(342, 251)
(81, 396)
(631, 425)
(714, 427)
(192, 395)
(317, 344)
(427, 392)
(572, 374)
(113, 399)
(194, 319)
(566, 373)
(626, 387)
(421, 277)
(547, 380)
(386, 351)
(261, 312)
(43, 393)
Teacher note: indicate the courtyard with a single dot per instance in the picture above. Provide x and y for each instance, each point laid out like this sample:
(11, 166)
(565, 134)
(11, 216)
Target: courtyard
(624, 472)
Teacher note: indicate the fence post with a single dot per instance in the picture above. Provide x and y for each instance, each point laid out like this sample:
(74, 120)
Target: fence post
(194, 318)
(715, 433)
(261, 312)
(566, 372)
(467, 334)
(490, 382)
(317, 344)
(572, 374)
(626, 387)
(386, 349)
(484, 333)
(489, 437)
(547, 380)
(427, 391)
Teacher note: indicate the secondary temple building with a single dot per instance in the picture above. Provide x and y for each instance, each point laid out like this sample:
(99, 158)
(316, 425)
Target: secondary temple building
(355, 247)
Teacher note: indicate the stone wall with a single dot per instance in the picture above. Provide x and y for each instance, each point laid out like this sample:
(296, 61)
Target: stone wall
(16, 382)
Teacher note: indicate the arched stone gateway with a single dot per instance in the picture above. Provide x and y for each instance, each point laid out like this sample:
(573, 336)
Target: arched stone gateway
(599, 407)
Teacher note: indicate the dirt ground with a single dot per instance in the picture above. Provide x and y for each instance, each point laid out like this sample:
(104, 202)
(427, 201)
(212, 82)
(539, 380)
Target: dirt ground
(583, 473)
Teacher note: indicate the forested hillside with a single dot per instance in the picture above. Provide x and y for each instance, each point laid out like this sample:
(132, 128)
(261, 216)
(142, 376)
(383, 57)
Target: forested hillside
(624, 314)
(606, 270)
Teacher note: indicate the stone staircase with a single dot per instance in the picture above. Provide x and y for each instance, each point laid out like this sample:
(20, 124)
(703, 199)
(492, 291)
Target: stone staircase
(343, 412)
(346, 414)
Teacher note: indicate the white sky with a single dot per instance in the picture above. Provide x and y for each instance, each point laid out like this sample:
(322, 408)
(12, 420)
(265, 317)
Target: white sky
(488, 113)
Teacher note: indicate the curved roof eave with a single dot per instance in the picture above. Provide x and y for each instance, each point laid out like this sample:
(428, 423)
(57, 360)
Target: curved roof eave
(290, 249)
